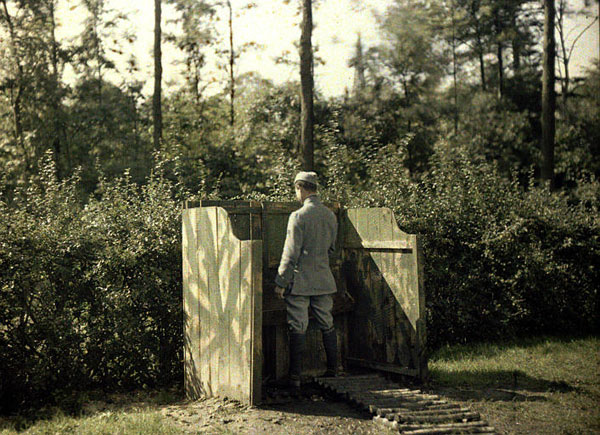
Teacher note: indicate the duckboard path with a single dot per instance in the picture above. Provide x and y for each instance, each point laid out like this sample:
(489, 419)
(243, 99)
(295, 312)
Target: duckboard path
(409, 411)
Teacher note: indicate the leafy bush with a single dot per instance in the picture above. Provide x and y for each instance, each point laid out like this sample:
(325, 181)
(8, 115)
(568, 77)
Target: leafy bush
(498, 260)
(91, 296)
(91, 289)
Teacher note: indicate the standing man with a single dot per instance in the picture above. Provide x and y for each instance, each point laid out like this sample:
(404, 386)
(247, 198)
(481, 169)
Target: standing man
(304, 278)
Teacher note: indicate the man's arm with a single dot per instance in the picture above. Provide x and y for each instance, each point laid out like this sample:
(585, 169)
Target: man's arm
(291, 252)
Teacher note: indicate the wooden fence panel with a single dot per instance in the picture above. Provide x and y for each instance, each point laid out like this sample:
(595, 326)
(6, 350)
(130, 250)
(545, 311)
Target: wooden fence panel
(193, 385)
(229, 308)
(385, 268)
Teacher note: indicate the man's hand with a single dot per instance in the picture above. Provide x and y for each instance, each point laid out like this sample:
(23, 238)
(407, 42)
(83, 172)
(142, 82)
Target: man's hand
(279, 291)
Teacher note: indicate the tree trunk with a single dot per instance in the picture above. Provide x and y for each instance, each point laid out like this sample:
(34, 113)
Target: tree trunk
(481, 63)
(454, 71)
(516, 45)
(499, 53)
(156, 100)
(16, 88)
(306, 79)
(548, 95)
(231, 65)
(500, 70)
(359, 68)
(59, 130)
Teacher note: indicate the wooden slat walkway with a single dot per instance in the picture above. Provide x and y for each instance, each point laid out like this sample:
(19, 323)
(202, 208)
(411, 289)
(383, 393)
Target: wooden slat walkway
(409, 411)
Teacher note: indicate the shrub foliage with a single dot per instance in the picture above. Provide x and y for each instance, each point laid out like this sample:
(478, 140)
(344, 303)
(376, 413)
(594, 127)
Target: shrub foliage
(91, 289)
(90, 294)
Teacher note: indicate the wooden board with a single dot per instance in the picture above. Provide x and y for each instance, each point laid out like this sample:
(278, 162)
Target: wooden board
(192, 380)
(229, 308)
(384, 271)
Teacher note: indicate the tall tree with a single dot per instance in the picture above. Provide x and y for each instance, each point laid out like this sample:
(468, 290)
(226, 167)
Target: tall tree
(93, 59)
(231, 65)
(548, 94)
(30, 83)
(475, 32)
(196, 36)
(156, 98)
(357, 62)
(59, 140)
(450, 21)
(16, 81)
(307, 84)
(413, 62)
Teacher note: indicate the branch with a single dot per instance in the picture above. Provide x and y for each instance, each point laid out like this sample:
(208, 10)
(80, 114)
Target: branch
(580, 35)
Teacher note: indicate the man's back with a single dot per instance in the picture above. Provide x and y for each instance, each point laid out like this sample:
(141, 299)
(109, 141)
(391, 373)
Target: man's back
(311, 235)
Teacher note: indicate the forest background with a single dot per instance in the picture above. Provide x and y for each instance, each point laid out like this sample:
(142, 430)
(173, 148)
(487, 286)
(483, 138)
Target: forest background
(441, 124)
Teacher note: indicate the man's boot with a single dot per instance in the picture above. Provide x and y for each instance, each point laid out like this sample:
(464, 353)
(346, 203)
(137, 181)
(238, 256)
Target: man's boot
(297, 341)
(330, 345)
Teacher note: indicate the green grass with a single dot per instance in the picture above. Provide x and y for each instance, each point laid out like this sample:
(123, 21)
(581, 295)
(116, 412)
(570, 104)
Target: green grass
(109, 423)
(538, 385)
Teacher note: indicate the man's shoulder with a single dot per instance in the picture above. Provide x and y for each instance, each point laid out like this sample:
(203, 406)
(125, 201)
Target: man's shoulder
(316, 210)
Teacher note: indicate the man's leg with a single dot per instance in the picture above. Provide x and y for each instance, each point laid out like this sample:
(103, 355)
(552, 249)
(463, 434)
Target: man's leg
(297, 319)
(321, 306)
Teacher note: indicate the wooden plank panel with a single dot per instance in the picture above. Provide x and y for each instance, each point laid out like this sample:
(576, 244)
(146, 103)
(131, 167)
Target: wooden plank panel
(282, 352)
(221, 309)
(219, 343)
(213, 338)
(241, 370)
(276, 228)
(193, 385)
(243, 366)
(377, 318)
(403, 283)
(421, 333)
(206, 259)
(228, 321)
(398, 304)
(373, 228)
(256, 296)
(403, 328)
(388, 309)
(234, 300)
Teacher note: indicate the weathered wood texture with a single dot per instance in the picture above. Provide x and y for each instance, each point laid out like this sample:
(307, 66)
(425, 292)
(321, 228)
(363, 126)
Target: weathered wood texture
(231, 251)
(223, 307)
(383, 269)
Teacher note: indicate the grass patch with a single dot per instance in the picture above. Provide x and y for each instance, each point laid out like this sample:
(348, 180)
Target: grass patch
(96, 412)
(125, 422)
(537, 385)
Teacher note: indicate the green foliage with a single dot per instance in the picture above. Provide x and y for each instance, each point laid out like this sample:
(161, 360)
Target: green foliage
(90, 273)
(494, 131)
(91, 296)
(499, 260)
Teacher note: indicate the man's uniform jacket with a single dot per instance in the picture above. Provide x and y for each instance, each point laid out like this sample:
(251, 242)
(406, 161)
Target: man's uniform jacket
(311, 233)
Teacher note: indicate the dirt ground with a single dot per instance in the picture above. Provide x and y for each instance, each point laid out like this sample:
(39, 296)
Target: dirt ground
(312, 412)
(317, 412)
